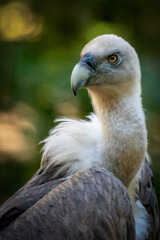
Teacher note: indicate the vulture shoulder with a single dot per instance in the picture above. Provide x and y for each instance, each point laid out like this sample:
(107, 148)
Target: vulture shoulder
(91, 204)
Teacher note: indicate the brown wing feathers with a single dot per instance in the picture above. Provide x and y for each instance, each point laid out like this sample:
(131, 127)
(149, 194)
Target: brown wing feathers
(92, 204)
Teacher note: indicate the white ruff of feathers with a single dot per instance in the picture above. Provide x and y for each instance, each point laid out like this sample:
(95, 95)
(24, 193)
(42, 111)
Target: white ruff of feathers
(73, 144)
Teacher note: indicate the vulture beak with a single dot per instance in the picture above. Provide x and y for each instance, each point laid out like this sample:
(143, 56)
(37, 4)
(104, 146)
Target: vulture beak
(82, 72)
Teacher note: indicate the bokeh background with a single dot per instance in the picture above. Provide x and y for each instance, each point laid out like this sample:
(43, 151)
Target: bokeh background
(40, 42)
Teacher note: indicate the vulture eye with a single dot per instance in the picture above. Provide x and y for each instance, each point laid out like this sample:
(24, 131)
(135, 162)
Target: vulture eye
(113, 58)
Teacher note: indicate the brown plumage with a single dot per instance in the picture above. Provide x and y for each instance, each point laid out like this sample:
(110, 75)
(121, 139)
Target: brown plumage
(92, 204)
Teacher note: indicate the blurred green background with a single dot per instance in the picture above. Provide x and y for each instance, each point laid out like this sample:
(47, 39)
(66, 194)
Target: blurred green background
(40, 42)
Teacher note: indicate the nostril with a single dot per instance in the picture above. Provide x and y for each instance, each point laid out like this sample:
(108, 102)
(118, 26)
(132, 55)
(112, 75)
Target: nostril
(90, 64)
(89, 61)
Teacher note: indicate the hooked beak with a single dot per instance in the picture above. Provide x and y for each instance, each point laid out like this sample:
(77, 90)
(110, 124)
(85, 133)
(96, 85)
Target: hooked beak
(82, 73)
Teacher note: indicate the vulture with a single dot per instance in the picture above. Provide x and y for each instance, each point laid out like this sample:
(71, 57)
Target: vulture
(95, 180)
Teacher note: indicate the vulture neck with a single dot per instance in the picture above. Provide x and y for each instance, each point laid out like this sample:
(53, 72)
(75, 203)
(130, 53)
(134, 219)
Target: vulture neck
(123, 131)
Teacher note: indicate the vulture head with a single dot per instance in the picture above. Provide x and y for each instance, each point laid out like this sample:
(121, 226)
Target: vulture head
(109, 66)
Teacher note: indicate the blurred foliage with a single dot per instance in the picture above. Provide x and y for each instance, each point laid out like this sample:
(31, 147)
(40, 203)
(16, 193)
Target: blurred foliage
(40, 43)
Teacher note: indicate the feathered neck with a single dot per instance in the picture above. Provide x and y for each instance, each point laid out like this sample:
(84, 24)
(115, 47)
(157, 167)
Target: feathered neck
(123, 130)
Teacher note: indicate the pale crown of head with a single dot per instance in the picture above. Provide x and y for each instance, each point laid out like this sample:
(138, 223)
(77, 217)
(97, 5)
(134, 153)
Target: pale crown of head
(120, 76)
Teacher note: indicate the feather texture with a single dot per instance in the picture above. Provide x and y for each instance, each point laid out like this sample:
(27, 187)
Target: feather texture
(89, 205)
(73, 145)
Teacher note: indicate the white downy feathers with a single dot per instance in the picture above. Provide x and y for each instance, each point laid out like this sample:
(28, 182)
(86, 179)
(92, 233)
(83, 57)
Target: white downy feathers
(73, 144)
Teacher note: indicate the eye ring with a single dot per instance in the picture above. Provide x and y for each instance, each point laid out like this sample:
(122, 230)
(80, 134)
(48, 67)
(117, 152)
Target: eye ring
(113, 58)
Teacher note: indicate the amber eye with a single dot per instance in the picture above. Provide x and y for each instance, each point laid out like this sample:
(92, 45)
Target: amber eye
(113, 58)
